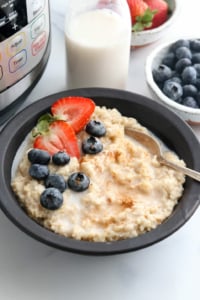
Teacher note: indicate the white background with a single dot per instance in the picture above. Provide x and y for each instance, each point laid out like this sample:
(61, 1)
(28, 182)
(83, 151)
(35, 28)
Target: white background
(168, 270)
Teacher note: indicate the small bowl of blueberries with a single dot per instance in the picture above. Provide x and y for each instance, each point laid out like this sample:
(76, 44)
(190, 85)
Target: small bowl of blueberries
(173, 75)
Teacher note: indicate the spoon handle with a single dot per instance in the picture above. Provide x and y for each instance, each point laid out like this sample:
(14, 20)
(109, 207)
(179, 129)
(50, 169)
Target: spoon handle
(191, 173)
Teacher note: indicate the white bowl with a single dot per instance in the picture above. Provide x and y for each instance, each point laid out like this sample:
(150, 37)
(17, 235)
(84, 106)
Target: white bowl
(188, 114)
(145, 37)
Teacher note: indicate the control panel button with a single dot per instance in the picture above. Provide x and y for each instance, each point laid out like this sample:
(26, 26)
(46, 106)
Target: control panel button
(39, 43)
(16, 44)
(17, 61)
(34, 8)
(38, 26)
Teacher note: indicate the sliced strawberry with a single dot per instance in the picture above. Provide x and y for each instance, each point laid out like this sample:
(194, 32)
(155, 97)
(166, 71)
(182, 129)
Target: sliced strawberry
(60, 136)
(74, 110)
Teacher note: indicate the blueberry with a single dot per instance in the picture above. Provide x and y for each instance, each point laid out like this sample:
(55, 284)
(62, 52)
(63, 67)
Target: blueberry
(179, 100)
(57, 181)
(197, 83)
(196, 58)
(51, 198)
(173, 90)
(198, 98)
(38, 171)
(189, 90)
(181, 64)
(176, 79)
(78, 182)
(95, 128)
(169, 59)
(160, 85)
(189, 75)
(162, 73)
(197, 68)
(37, 156)
(180, 43)
(60, 158)
(190, 102)
(92, 145)
(183, 52)
(195, 45)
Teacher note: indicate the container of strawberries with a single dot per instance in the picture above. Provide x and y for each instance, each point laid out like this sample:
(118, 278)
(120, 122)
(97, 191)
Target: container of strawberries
(151, 19)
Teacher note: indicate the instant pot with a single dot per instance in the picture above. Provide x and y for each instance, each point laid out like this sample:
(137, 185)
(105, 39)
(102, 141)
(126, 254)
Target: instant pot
(24, 47)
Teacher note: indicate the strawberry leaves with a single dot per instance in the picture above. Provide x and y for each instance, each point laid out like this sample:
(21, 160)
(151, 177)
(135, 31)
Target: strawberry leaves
(144, 21)
(42, 125)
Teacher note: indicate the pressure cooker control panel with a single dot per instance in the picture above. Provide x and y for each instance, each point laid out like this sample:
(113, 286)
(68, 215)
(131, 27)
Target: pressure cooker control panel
(24, 35)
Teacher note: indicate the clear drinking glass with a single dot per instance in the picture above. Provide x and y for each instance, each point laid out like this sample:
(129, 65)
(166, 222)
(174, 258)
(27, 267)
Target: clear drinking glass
(98, 37)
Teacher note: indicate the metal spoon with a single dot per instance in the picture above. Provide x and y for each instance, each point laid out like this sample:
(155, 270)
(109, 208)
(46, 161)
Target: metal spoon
(151, 143)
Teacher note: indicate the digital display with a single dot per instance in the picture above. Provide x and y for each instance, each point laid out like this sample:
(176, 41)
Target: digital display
(13, 17)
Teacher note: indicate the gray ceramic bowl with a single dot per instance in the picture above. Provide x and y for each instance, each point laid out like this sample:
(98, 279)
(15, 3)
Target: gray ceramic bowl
(165, 124)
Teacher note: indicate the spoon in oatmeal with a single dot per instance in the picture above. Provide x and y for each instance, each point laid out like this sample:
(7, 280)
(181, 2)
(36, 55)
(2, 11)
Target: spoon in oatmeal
(153, 145)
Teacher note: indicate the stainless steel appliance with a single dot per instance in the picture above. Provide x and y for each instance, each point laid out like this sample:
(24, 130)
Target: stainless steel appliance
(24, 47)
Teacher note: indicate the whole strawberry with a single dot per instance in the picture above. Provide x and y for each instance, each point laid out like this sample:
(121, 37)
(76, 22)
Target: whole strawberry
(137, 8)
(161, 7)
(141, 14)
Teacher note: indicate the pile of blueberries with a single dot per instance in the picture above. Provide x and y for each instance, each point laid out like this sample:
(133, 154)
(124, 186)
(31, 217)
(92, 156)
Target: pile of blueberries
(55, 184)
(178, 75)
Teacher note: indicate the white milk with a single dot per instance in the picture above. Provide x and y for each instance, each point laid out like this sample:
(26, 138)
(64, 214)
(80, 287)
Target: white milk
(98, 50)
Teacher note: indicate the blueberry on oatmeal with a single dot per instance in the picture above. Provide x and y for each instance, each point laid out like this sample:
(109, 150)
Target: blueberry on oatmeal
(78, 182)
(38, 156)
(51, 198)
(95, 128)
(92, 145)
(56, 181)
(38, 171)
(61, 158)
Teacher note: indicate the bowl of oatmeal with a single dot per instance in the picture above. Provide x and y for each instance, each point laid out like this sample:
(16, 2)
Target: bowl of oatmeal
(131, 202)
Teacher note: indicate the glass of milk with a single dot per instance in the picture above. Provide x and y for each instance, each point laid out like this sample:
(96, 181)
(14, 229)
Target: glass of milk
(98, 38)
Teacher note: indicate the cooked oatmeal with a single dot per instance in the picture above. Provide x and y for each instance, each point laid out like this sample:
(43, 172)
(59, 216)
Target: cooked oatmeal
(130, 193)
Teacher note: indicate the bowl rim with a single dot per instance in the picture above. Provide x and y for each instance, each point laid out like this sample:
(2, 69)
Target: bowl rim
(149, 77)
(17, 128)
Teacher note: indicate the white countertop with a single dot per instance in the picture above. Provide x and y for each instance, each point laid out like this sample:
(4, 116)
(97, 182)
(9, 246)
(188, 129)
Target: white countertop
(30, 270)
